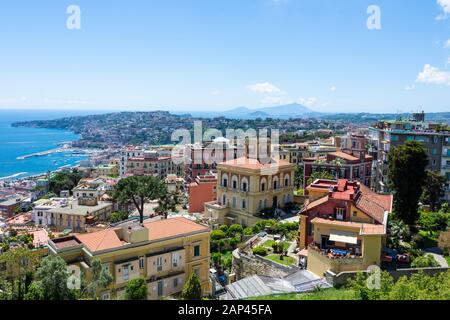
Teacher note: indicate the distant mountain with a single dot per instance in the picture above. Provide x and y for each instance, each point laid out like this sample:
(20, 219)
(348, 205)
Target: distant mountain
(287, 111)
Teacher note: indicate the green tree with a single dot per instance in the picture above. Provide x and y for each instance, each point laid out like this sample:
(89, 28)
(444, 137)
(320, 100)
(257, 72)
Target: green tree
(100, 279)
(168, 202)
(118, 216)
(433, 189)
(136, 289)
(192, 289)
(64, 180)
(35, 291)
(18, 266)
(298, 179)
(320, 175)
(138, 190)
(217, 235)
(234, 229)
(407, 176)
(398, 231)
(53, 276)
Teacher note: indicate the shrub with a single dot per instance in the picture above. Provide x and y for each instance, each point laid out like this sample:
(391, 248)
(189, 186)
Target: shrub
(260, 251)
(248, 231)
(424, 262)
(235, 228)
(224, 228)
(217, 235)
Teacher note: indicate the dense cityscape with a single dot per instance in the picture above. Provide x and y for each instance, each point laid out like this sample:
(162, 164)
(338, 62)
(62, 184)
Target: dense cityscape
(342, 198)
(226, 158)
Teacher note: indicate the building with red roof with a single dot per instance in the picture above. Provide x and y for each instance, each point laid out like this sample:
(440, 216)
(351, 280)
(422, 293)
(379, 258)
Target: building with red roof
(343, 226)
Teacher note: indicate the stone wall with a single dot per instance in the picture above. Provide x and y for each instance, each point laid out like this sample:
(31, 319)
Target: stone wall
(245, 265)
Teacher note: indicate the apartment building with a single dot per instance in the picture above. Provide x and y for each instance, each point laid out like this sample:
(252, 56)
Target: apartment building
(350, 162)
(75, 213)
(249, 190)
(386, 135)
(343, 226)
(294, 152)
(91, 188)
(163, 252)
(151, 163)
(204, 157)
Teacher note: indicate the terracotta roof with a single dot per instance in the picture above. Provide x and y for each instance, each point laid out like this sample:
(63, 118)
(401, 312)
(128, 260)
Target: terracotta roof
(374, 204)
(343, 155)
(310, 205)
(158, 230)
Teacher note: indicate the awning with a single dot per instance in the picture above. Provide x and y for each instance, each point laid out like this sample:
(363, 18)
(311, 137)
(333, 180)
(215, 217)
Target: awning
(343, 236)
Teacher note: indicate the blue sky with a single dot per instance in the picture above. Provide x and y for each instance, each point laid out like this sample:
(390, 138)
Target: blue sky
(219, 54)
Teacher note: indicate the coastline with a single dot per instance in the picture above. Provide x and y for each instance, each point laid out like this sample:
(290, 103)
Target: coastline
(34, 164)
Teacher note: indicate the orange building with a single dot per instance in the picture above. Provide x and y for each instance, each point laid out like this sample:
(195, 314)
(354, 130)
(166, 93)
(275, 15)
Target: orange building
(202, 190)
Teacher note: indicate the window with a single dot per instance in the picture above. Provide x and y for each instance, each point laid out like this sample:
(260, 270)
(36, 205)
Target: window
(224, 199)
(225, 182)
(160, 288)
(234, 203)
(340, 213)
(197, 250)
(175, 282)
(244, 186)
(159, 264)
(106, 296)
(126, 273)
(244, 204)
(141, 263)
(263, 186)
(175, 259)
(355, 213)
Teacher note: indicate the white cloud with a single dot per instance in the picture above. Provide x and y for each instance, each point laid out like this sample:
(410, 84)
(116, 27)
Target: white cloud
(448, 62)
(265, 87)
(409, 88)
(333, 88)
(447, 44)
(308, 102)
(445, 5)
(432, 75)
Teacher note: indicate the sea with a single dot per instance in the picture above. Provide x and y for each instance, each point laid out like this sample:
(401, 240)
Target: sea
(17, 142)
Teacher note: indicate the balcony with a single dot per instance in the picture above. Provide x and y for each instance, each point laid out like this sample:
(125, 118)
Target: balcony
(320, 261)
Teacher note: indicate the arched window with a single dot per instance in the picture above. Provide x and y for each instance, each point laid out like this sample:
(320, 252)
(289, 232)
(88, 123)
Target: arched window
(244, 184)
(263, 184)
(287, 180)
(234, 182)
(224, 180)
(275, 183)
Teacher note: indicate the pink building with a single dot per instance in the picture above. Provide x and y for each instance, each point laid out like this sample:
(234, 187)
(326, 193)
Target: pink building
(202, 190)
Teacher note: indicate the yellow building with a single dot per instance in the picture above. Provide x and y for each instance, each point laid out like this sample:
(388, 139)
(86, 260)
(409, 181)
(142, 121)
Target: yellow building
(163, 252)
(343, 226)
(247, 189)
